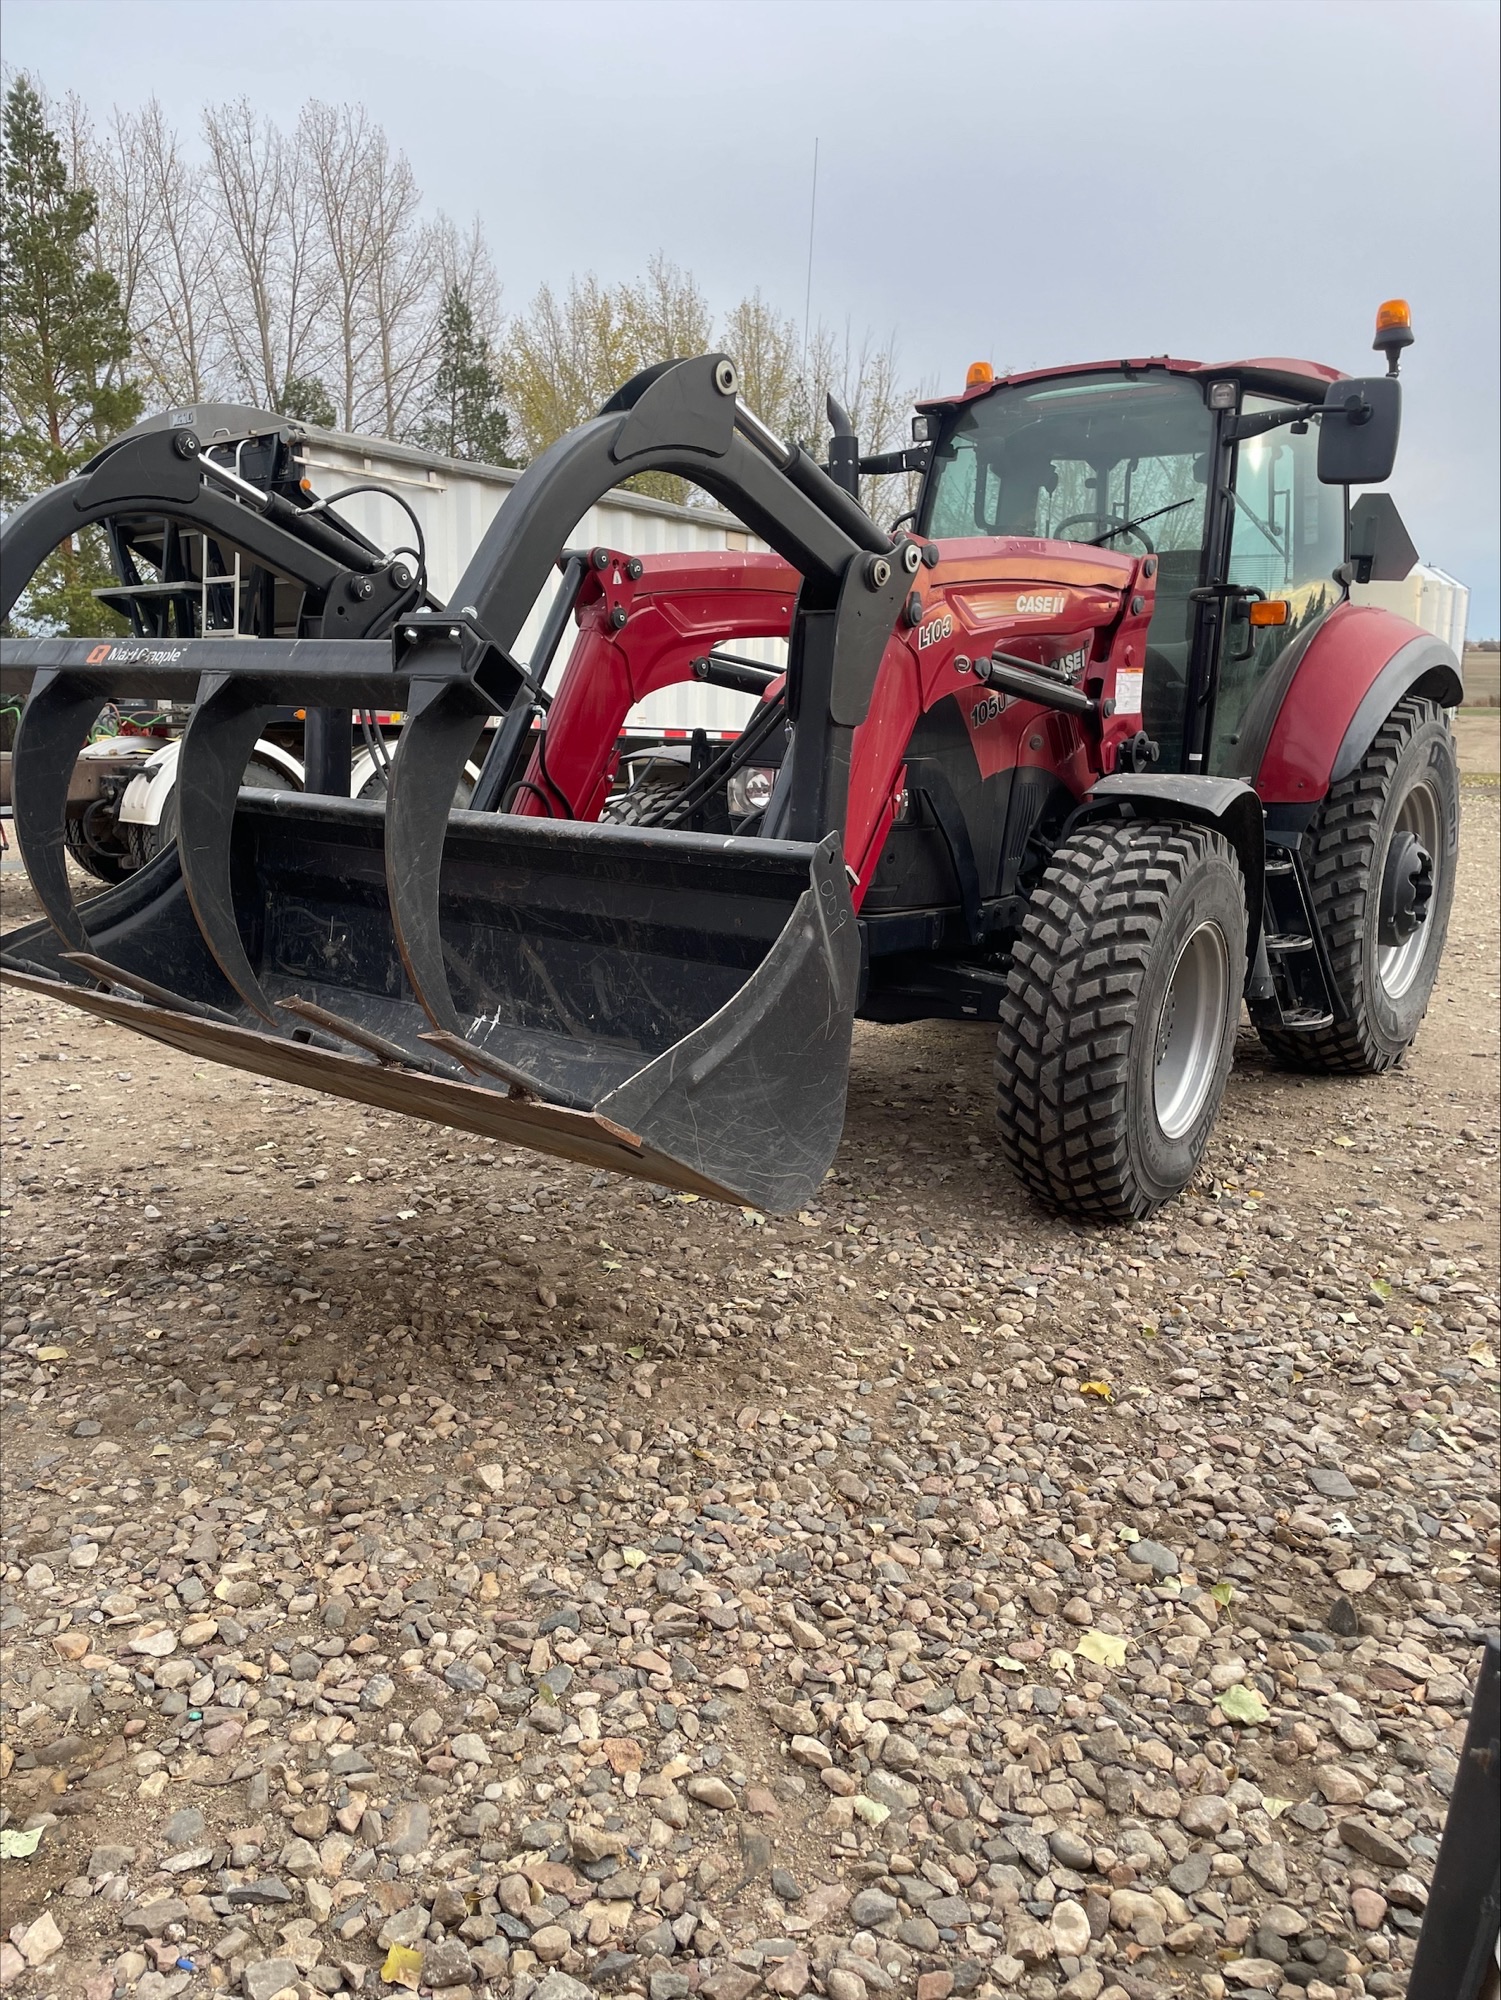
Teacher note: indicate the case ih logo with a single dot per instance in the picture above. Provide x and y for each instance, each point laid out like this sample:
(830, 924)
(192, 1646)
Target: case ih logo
(1041, 604)
(133, 656)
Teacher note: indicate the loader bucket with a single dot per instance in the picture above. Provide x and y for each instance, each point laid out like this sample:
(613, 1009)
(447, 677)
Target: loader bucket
(669, 1004)
(676, 1006)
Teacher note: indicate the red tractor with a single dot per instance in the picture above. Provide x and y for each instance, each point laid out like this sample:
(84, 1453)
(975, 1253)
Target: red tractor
(1093, 745)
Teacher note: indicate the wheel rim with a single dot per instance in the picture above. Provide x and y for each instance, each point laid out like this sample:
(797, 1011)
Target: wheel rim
(1190, 1030)
(1409, 881)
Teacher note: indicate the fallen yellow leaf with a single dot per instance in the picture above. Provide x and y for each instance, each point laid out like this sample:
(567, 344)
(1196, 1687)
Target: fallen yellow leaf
(1243, 1704)
(1106, 1649)
(403, 1967)
(1101, 1389)
(52, 1354)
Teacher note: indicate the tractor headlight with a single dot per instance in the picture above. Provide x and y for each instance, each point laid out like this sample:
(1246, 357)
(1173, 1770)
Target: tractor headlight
(750, 789)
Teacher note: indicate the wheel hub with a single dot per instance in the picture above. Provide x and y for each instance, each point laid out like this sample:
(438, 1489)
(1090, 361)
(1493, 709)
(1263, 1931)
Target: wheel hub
(1410, 879)
(1406, 889)
(1165, 1023)
(1190, 1031)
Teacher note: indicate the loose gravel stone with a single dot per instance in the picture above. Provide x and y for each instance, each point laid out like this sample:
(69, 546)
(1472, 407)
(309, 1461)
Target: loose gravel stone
(421, 1545)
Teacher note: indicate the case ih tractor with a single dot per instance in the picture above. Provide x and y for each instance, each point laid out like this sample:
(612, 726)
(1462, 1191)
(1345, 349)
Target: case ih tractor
(1093, 746)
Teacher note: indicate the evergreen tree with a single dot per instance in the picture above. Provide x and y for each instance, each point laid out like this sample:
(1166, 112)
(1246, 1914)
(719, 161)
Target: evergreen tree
(64, 345)
(465, 415)
(306, 398)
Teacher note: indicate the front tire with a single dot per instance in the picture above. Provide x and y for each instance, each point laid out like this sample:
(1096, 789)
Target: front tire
(1381, 860)
(1119, 1020)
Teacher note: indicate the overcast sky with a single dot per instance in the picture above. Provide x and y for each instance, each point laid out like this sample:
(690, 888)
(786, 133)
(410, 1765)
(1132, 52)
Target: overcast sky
(998, 179)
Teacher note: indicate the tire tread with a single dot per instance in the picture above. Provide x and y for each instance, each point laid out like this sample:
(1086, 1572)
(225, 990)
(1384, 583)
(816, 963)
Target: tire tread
(1076, 972)
(1340, 856)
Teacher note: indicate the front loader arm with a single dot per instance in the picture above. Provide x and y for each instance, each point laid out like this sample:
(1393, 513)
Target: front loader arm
(642, 623)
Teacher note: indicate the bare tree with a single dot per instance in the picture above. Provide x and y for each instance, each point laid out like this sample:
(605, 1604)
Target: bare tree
(384, 268)
(407, 298)
(270, 275)
(789, 388)
(565, 356)
(766, 347)
(335, 143)
(174, 286)
(863, 376)
(465, 266)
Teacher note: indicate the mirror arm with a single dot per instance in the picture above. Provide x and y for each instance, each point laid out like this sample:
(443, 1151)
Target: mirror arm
(1258, 422)
(1355, 410)
(913, 459)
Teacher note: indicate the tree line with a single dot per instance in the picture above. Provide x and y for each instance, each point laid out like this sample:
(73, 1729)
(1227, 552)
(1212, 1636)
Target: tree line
(300, 270)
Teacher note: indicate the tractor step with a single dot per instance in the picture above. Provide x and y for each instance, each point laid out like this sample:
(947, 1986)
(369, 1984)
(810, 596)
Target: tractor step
(1285, 942)
(1305, 1020)
(1281, 865)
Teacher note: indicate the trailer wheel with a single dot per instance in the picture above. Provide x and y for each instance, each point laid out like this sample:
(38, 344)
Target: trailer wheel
(147, 842)
(103, 863)
(1381, 861)
(1119, 1020)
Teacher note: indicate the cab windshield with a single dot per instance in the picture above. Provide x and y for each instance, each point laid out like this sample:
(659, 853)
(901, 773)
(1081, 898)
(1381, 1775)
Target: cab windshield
(1101, 458)
(1082, 458)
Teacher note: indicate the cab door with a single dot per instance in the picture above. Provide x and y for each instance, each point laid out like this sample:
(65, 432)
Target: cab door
(1287, 539)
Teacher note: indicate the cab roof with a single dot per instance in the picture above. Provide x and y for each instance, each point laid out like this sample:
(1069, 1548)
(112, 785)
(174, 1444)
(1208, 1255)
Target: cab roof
(1274, 375)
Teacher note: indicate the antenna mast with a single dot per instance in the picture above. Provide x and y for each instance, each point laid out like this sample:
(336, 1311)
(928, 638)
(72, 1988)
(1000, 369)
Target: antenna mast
(808, 292)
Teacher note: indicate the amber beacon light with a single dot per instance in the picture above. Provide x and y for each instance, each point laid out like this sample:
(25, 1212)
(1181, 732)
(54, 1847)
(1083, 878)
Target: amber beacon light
(1393, 331)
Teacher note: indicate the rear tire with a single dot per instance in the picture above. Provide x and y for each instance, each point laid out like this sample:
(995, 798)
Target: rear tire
(1119, 1021)
(1404, 790)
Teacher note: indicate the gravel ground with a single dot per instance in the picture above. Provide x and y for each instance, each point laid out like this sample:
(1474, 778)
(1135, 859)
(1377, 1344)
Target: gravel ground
(452, 1569)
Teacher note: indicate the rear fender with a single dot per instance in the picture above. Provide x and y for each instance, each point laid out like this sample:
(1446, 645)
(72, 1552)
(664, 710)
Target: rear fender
(1360, 663)
(1228, 805)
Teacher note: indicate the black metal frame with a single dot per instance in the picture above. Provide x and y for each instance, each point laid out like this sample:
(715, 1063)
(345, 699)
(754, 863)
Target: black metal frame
(1457, 1947)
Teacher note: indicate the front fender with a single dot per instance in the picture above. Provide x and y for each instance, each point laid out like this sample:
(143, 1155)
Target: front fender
(1229, 805)
(1358, 665)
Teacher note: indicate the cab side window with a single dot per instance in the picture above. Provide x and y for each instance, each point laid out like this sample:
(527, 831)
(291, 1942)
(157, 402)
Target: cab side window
(1287, 542)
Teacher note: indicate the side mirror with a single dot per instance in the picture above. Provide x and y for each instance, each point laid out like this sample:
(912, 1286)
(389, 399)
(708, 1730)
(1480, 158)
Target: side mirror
(1359, 429)
(1381, 550)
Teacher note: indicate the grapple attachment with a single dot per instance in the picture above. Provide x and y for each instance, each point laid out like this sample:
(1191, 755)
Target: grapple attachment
(673, 1005)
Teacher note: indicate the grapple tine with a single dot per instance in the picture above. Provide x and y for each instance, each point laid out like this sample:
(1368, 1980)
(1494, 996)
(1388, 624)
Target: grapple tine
(147, 989)
(53, 730)
(482, 1063)
(380, 1046)
(437, 735)
(216, 747)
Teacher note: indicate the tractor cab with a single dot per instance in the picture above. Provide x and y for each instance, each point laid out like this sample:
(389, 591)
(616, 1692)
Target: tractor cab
(1220, 473)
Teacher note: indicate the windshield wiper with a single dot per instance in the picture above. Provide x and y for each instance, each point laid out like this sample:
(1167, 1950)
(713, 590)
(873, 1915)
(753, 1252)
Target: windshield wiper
(1125, 527)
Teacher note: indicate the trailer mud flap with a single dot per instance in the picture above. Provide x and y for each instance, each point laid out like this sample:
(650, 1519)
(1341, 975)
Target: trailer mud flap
(675, 1006)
